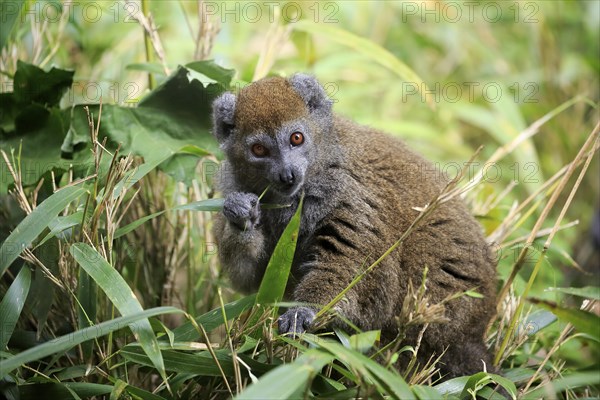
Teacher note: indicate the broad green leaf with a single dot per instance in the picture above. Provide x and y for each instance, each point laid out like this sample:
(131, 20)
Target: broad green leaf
(12, 304)
(121, 295)
(274, 282)
(286, 380)
(213, 71)
(68, 341)
(583, 321)
(34, 85)
(369, 49)
(589, 292)
(33, 224)
(212, 319)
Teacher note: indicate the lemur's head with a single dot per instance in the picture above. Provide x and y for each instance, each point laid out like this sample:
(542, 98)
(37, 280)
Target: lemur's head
(272, 130)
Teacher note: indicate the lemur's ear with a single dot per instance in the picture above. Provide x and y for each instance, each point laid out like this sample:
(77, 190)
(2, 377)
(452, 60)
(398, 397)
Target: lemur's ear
(311, 92)
(223, 114)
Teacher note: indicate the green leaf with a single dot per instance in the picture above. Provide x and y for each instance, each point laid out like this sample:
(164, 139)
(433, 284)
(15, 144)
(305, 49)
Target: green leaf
(578, 379)
(583, 321)
(364, 341)
(33, 84)
(213, 71)
(589, 292)
(33, 224)
(202, 205)
(286, 380)
(274, 282)
(136, 224)
(198, 363)
(477, 384)
(61, 224)
(121, 295)
(369, 49)
(452, 386)
(426, 393)
(212, 319)
(59, 390)
(386, 381)
(68, 341)
(12, 304)
(10, 14)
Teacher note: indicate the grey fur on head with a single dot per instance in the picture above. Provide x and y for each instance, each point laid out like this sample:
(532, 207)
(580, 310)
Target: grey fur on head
(316, 99)
(223, 115)
(311, 92)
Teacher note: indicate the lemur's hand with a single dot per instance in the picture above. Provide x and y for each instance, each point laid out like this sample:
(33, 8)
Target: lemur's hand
(242, 210)
(296, 320)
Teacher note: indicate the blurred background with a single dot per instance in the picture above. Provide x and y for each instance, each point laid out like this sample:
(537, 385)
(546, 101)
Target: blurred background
(446, 77)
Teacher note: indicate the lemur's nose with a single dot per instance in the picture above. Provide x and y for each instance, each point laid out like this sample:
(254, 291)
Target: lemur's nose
(287, 176)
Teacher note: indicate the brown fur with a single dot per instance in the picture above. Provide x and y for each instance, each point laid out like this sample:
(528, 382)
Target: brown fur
(254, 113)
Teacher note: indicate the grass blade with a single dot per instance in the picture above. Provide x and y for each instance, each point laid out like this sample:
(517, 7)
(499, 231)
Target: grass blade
(68, 341)
(33, 224)
(119, 293)
(12, 304)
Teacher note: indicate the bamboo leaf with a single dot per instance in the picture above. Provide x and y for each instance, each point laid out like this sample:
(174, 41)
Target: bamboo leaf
(119, 293)
(584, 321)
(198, 363)
(59, 390)
(33, 224)
(589, 292)
(68, 341)
(212, 319)
(286, 380)
(12, 304)
(274, 282)
(572, 381)
(385, 380)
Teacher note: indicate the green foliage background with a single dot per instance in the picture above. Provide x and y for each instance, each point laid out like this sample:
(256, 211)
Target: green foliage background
(446, 77)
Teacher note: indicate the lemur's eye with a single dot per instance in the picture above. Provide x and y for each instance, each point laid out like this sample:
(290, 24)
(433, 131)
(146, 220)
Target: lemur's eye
(296, 139)
(259, 150)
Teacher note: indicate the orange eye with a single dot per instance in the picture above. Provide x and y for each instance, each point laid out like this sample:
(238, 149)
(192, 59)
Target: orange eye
(296, 139)
(259, 150)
